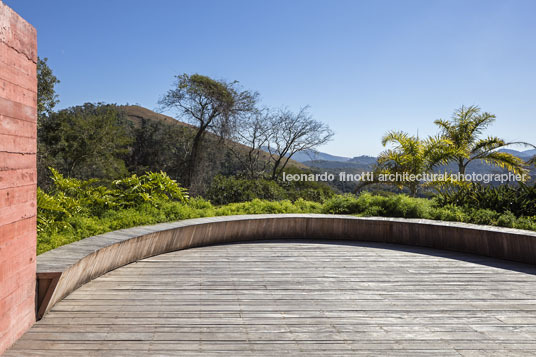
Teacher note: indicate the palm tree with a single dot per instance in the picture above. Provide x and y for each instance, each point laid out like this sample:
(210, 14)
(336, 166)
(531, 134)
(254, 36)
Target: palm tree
(409, 155)
(463, 132)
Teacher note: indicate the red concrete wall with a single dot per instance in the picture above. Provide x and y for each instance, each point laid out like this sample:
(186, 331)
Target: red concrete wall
(18, 120)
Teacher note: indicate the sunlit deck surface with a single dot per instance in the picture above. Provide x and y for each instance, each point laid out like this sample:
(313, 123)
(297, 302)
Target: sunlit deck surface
(296, 298)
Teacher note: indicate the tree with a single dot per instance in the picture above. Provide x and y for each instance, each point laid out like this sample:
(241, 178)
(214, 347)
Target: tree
(46, 94)
(410, 155)
(255, 131)
(463, 132)
(211, 105)
(87, 141)
(292, 133)
(160, 146)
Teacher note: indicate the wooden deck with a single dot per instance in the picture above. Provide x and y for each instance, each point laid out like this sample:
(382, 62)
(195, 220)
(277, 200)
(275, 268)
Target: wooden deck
(296, 298)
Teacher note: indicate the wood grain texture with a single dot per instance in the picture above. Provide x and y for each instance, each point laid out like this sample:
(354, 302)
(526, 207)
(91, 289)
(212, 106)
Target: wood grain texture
(297, 298)
(83, 261)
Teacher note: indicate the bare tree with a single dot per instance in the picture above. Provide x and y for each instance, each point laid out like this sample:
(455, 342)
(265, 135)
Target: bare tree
(210, 105)
(254, 131)
(292, 133)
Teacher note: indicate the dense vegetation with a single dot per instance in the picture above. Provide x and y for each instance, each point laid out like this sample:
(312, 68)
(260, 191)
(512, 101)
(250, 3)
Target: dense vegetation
(111, 168)
(74, 209)
(519, 199)
(228, 134)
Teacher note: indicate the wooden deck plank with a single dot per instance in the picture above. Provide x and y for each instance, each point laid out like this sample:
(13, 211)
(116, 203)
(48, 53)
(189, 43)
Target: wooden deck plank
(298, 298)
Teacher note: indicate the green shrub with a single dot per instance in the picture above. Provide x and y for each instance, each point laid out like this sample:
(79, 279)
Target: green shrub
(71, 199)
(483, 216)
(262, 206)
(76, 209)
(518, 199)
(507, 219)
(448, 213)
(231, 189)
(405, 206)
(367, 204)
(342, 204)
(528, 223)
(153, 187)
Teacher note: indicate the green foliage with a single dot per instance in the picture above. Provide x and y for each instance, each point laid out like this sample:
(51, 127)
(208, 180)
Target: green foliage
(71, 201)
(307, 190)
(152, 187)
(46, 94)
(159, 146)
(519, 199)
(367, 204)
(462, 134)
(262, 206)
(75, 209)
(85, 141)
(410, 155)
(343, 204)
(230, 189)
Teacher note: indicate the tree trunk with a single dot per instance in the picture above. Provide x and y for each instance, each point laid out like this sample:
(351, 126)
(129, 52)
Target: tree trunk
(194, 154)
(274, 170)
(461, 167)
(413, 189)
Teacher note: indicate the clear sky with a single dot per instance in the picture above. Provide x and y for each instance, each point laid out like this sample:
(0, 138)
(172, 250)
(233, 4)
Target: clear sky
(364, 67)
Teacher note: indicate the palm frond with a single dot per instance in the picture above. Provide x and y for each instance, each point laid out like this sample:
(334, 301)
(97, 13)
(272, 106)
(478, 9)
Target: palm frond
(505, 160)
(483, 146)
(395, 137)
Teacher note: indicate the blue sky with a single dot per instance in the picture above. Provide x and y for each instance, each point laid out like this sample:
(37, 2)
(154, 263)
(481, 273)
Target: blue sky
(364, 67)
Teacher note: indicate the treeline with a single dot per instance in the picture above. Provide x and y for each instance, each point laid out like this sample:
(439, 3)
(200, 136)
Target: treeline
(229, 136)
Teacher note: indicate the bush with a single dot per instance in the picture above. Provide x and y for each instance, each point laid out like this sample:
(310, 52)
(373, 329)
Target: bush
(69, 198)
(367, 204)
(483, 216)
(231, 189)
(76, 209)
(507, 219)
(405, 206)
(528, 223)
(342, 204)
(448, 213)
(518, 199)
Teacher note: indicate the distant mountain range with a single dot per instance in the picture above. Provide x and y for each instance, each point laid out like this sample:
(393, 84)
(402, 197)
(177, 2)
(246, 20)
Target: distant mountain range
(364, 163)
(527, 154)
(310, 155)
(312, 158)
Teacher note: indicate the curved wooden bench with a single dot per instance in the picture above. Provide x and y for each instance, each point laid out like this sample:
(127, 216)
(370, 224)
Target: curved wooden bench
(64, 269)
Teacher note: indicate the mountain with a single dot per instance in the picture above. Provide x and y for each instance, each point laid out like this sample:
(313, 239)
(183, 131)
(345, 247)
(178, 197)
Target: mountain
(364, 160)
(364, 163)
(325, 160)
(136, 114)
(310, 155)
(521, 154)
(359, 163)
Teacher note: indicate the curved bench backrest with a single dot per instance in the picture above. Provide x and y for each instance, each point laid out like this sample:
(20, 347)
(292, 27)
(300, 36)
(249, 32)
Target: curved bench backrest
(64, 269)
